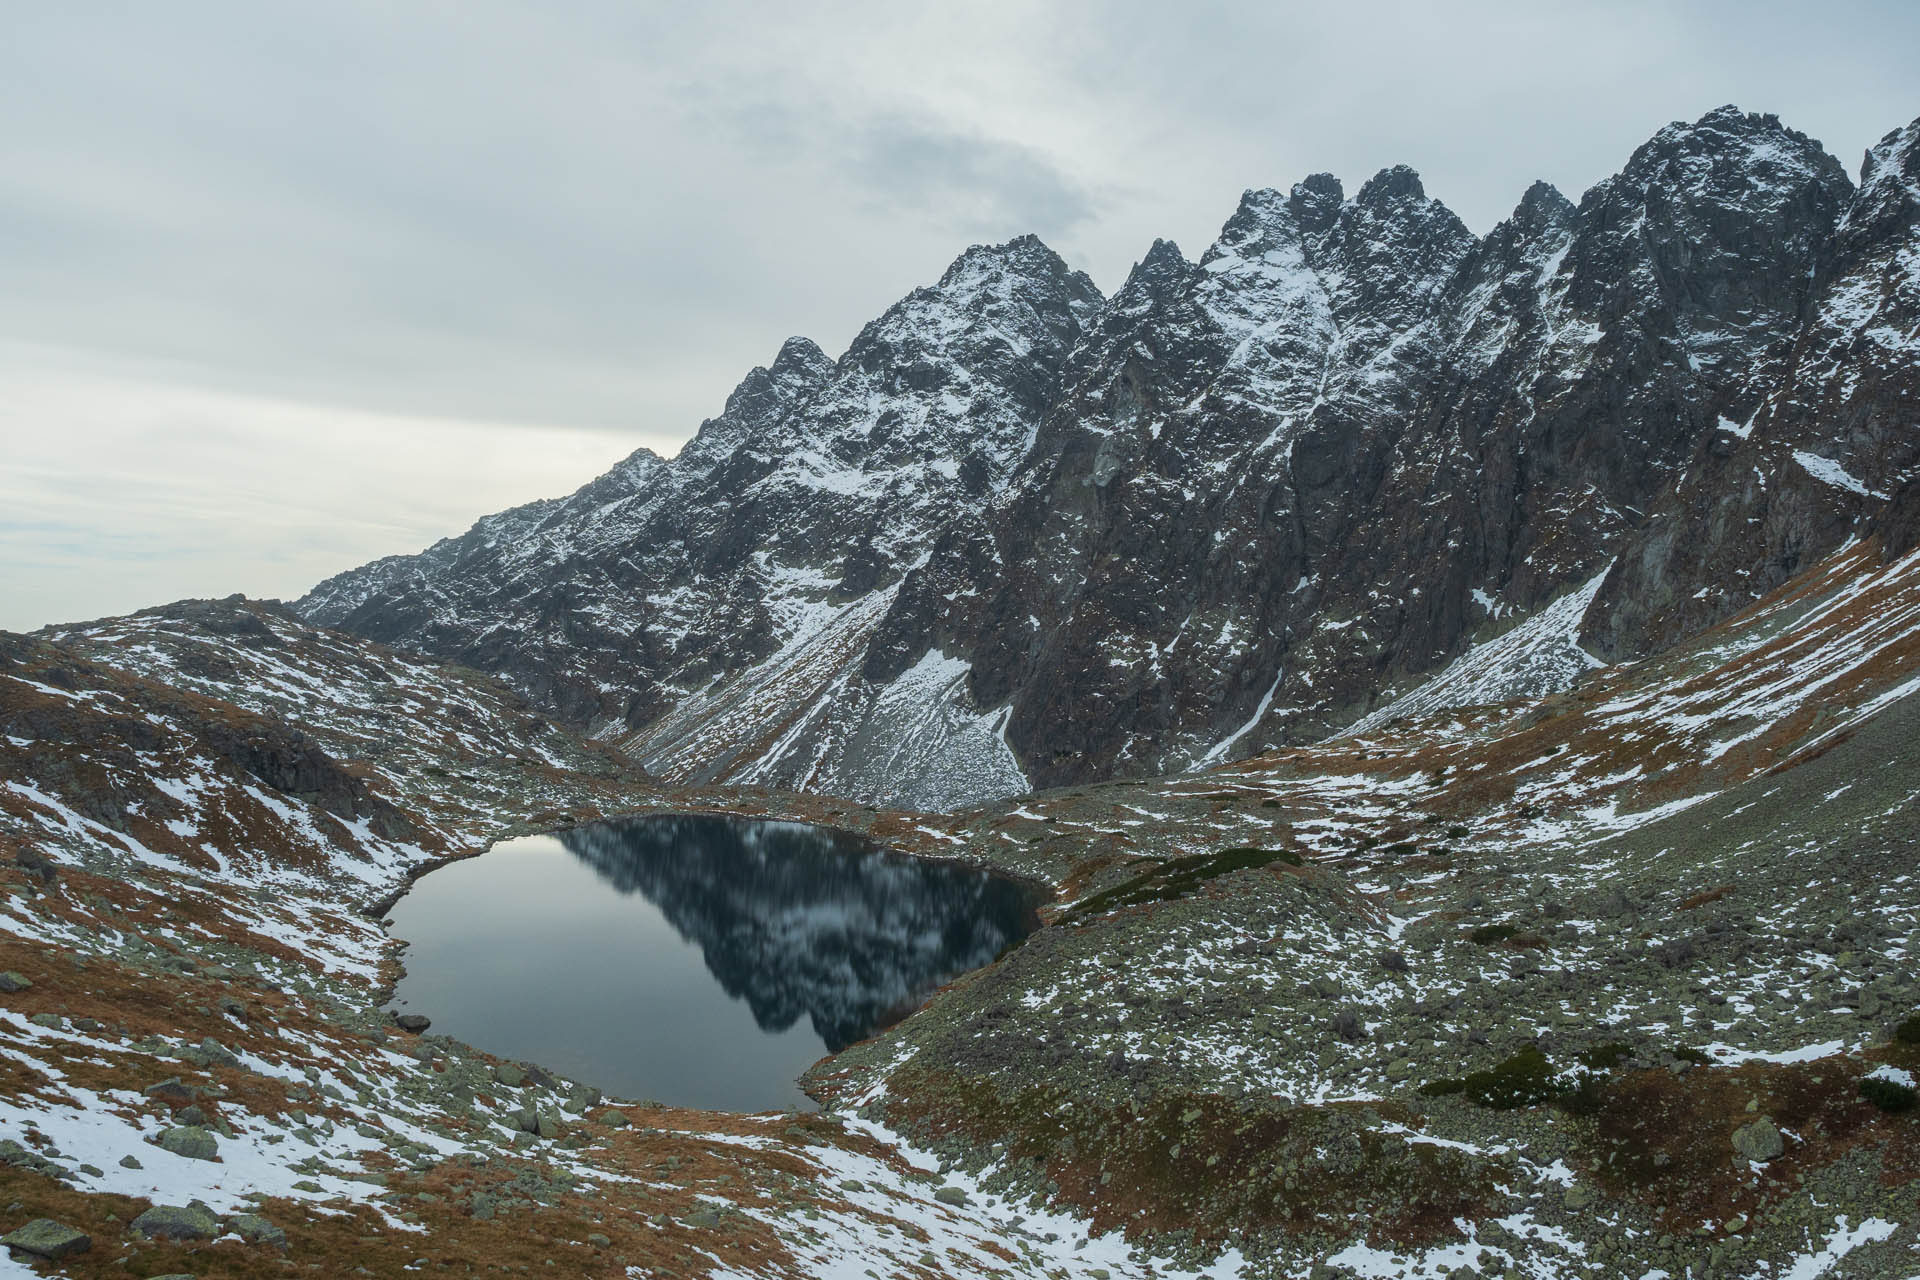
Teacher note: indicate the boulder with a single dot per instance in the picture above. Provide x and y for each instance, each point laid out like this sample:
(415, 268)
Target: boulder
(188, 1140)
(951, 1195)
(45, 1238)
(255, 1229)
(177, 1222)
(412, 1023)
(13, 980)
(1759, 1141)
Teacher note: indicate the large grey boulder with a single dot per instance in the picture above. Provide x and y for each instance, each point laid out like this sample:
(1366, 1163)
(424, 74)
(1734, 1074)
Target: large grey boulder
(190, 1141)
(177, 1222)
(45, 1238)
(1759, 1141)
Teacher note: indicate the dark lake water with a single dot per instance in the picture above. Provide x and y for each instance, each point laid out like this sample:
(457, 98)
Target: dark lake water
(700, 961)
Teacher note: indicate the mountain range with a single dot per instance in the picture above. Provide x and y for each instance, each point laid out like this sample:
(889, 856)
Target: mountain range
(1023, 535)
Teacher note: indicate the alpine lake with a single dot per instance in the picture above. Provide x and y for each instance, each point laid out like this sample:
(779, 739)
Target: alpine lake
(698, 961)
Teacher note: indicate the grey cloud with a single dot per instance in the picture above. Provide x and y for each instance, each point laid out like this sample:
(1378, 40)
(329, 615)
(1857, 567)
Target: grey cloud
(983, 186)
(597, 215)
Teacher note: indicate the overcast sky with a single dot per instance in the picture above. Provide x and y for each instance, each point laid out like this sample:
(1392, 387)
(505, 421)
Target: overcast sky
(284, 287)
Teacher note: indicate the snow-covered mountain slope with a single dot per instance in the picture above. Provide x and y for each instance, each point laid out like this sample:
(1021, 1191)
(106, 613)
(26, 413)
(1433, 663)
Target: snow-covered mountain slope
(820, 484)
(1019, 536)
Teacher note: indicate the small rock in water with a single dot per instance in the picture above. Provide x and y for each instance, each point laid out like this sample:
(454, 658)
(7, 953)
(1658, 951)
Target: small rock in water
(45, 1238)
(412, 1023)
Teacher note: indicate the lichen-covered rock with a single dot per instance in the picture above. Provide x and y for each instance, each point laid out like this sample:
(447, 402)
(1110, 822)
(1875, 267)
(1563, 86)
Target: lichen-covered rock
(1759, 1140)
(193, 1221)
(190, 1141)
(255, 1229)
(45, 1238)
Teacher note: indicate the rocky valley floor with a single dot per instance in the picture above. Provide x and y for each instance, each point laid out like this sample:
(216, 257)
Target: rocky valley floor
(1618, 981)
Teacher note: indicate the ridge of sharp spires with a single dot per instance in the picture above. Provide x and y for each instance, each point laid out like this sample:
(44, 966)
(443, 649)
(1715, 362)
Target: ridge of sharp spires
(1397, 182)
(1315, 201)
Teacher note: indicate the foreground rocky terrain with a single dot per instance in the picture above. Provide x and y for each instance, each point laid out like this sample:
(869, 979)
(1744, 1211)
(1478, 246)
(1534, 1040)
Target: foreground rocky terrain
(1610, 981)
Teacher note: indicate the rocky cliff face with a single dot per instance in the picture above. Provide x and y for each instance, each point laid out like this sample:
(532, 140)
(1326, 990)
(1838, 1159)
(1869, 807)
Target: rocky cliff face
(1821, 443)
(1020, 535)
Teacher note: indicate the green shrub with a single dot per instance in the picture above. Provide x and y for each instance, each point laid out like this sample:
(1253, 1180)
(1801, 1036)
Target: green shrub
(1458, 833)
(1605, 1057)
(1178, 877)
(1488, 934)
(1443, 1088)
(1889, 1095)
(1585, 1098)
(1908, 1032)
(1524, 1080)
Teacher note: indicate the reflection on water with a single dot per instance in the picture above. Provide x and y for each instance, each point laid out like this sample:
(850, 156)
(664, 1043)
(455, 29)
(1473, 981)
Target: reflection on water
(726, 958)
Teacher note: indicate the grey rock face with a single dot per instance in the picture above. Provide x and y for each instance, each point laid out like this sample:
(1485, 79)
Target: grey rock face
(1817, 445)
(1020, 535)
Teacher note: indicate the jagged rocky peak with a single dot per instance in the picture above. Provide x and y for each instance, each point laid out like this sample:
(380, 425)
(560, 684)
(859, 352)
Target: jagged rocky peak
(1889, 184)
(1541, 208)
(1017, 299)
(1392, 250)
(1721, 224)
(1316, 201)
(762, 398)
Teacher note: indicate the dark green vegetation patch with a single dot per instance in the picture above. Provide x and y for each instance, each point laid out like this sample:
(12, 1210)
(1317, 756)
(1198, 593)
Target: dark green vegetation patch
(1488, 934)
(1605, 1057)
(1178, 877)
(1908, 1032)
(1889, 1095)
